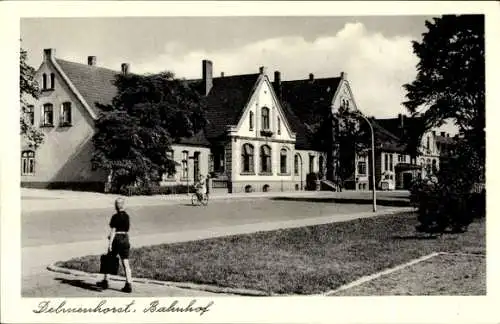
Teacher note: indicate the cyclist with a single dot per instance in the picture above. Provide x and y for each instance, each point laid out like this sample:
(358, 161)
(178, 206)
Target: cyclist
(201, 187)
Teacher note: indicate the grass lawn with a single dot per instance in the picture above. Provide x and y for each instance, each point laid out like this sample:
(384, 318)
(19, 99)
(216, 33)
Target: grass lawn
(304, 260)
(441, 275)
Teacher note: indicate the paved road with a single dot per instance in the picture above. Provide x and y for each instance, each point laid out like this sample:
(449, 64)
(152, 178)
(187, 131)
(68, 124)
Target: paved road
(49, 236)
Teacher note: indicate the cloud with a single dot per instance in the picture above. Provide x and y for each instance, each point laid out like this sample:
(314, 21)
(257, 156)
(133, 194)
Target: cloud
(377, 65)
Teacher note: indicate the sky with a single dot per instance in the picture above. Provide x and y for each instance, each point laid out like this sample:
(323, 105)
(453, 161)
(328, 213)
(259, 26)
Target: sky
(374, 51)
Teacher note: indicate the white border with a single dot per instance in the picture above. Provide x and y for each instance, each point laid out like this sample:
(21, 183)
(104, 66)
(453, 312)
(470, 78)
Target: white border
(290, 310)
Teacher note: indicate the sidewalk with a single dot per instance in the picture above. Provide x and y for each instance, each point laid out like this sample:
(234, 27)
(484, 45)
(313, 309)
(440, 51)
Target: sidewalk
(36, 259)
(44, 200)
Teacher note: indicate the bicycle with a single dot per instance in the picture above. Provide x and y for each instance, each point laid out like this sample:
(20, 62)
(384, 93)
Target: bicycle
(196, 201)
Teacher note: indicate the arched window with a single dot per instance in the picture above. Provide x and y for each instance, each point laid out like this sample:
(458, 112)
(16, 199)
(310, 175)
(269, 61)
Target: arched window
(27, 163)
(48, 115)
(247, 162)
(265, 159)
(283, 159)
(296, 164)
(250, 121)
(44, 81)
(265, 118)
(434, 166)
(52, 80)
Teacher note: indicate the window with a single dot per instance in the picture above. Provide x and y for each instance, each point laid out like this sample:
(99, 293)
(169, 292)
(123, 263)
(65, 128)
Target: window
(429, 143)
(66, 114)
(30, 114)
(48, 115)
(296, 164)
(391, 166)
(279, 126)
(27, 163)
(265, 159)
(265, 118)
(434, 166)
(250, 121)
(386, 162)
(170, 156)
(184, 164)
(311, 163)
(362, 168)
(44, 81)
(210, 163)
(283, 158)
(52, 80)
(247, 162)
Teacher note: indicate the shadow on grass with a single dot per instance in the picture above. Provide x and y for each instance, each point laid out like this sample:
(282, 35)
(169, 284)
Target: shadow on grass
(80, 284)
(350, 201)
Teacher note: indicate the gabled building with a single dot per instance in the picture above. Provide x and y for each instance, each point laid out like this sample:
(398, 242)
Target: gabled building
(251, 141)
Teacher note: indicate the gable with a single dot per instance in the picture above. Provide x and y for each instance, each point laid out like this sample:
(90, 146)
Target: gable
(226, 102)
(343, 94)
(263, 97)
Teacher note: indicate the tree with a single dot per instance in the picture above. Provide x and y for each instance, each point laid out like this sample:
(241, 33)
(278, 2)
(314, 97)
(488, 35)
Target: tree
(28, 88)
(450, 86)
(136, 131)
(451, 75)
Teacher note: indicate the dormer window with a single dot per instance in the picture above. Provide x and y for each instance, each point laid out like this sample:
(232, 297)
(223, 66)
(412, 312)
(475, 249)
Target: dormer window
(265, 118)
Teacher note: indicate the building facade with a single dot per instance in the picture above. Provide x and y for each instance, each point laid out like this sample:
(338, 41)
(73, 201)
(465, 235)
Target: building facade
(256, 139)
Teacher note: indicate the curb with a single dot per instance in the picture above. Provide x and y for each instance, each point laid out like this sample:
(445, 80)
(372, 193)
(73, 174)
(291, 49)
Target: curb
(184, 285)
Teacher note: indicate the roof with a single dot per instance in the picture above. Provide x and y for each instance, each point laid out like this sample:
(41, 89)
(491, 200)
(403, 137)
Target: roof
(304, 99)
(226, 101)
(95, 84)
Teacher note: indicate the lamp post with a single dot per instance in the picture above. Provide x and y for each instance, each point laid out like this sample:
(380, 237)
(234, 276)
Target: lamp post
(374, 189)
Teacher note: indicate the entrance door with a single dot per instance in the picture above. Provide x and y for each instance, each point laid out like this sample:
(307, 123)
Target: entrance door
(407, 179)
(196, 165)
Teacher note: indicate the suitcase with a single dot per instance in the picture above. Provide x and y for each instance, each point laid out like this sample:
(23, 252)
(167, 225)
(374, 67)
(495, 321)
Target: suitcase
(109, 264)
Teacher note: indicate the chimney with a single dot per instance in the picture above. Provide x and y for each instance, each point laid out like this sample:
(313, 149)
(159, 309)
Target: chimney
(262, 70)
(49, 53)
(207, 75)
(277, 83)
(343, 75)
(401, 118)
(125, 68)
(311, 77)
(91, 60)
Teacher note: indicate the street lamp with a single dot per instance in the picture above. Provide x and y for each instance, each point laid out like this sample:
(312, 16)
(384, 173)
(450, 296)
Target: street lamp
(374, 190)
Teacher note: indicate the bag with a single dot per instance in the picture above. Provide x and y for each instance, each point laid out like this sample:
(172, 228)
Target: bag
(109, 264)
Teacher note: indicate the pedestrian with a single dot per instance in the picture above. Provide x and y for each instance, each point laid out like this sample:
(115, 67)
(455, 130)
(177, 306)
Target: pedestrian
(118, 243)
